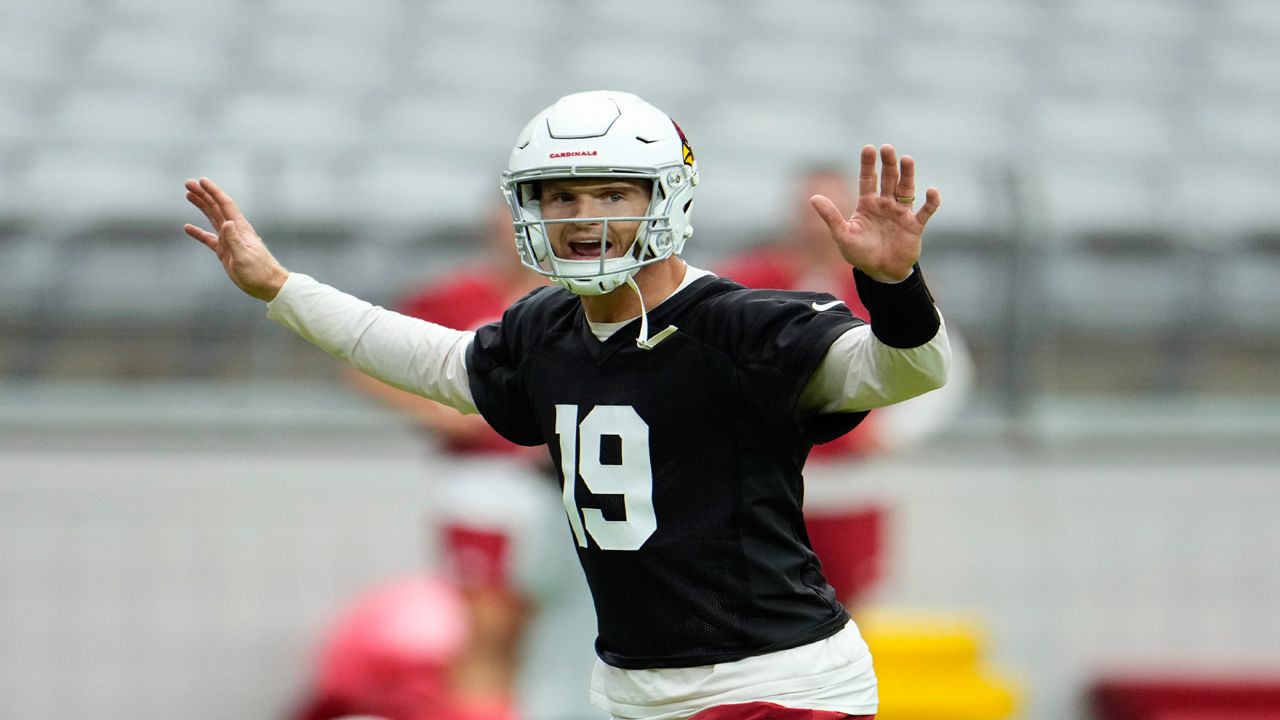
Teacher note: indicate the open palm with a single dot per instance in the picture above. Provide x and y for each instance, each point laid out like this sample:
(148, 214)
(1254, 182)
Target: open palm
(242, 253)
(882, 237)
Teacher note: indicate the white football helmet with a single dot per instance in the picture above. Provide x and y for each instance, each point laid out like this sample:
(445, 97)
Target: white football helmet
(602, 134)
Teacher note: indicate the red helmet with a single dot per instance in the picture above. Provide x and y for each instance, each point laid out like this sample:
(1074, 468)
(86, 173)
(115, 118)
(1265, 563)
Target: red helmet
(388, 652)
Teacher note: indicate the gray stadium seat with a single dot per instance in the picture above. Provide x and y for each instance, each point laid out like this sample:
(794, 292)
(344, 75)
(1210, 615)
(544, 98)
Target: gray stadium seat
(976, 202)
(24, 260)
(796, 69)
(17, 122)
(44, 19)
(1229, 195)
(82, 185)
(132, 272)
(823, 22)
(296, 121)
(739, 202)
(780, 135)
(1082, 196)
(1243, 67)
(1003, 23)
(1118, 71)
(152, 55)
(473, 130)
(401, 113)
(150, 122)
(1105, 130)
(959, 69)
(1250, 284)
(1254, 19)
(301, 60)
(940, 131)
(1135, 18)
(368, 18)
(419, 188)
(31, 59)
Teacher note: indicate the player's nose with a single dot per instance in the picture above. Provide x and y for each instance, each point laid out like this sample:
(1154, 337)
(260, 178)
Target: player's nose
(585, 213)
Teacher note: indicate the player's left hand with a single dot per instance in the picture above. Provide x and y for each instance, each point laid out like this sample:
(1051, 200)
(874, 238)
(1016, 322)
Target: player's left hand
(243, 255)
(882, 237)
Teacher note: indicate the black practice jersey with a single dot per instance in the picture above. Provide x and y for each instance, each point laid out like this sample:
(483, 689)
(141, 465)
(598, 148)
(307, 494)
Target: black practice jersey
(680, 465)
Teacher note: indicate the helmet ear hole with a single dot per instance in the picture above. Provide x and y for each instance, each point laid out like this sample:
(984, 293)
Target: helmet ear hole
(530, 192)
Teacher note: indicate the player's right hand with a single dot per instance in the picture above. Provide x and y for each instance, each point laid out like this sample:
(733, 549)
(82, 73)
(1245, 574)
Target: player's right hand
(243, 254)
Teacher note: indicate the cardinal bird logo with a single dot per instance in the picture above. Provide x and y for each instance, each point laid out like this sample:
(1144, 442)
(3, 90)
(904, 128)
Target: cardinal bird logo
(684, 142)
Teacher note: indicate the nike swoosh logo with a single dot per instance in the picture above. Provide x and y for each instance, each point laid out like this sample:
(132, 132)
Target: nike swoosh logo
(827, 305)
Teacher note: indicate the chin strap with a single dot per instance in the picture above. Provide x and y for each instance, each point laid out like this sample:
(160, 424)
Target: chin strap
(644, 342)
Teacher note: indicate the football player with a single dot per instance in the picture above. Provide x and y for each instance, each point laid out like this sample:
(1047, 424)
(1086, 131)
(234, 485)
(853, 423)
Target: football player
(388, 655)
(678, 406)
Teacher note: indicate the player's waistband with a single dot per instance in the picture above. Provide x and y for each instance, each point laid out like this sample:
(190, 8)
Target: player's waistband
(834, 673)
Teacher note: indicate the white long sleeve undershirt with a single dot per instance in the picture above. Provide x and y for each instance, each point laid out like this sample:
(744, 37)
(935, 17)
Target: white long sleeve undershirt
(414, 355)
(858, 372)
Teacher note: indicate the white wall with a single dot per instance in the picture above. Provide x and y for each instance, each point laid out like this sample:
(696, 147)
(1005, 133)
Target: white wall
(185, 569)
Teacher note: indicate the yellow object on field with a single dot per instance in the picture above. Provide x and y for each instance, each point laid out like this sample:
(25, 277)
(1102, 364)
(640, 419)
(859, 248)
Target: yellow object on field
(930, 668)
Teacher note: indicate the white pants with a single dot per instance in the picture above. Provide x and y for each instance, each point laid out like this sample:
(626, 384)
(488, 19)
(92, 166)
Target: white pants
(833, 674)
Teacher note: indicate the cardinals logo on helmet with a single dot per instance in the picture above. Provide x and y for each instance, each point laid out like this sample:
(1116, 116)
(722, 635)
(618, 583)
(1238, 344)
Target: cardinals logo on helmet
(684, 142)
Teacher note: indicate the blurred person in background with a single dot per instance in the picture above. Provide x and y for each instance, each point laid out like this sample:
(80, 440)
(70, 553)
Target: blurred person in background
(847, 521)
(388, 655)
(681, 450)
(500, 518)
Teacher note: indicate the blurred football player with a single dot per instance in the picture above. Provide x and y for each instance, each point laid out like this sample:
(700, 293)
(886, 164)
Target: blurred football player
(679, 407)
(388, 655)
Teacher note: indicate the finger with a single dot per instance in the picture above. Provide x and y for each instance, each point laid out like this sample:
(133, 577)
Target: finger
(932, 201)
(906, 180)
(888, 171)
(867, 171)
(193, 187)
(829, 213)
(205, 237)
(201, 204)
(230, 234)
(221, 200)
(197, 196)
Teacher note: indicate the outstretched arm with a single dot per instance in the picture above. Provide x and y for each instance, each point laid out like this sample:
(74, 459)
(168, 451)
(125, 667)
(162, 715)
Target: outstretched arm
(905, 351)
(414, 355)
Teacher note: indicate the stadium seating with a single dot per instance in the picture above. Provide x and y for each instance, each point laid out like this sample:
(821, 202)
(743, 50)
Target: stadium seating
(388, 121)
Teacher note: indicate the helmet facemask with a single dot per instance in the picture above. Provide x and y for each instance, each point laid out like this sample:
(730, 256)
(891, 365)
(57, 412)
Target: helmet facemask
(655, 240)
(616, 136)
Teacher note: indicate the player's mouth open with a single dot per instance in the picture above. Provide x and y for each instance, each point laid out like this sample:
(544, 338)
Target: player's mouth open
(587, 249)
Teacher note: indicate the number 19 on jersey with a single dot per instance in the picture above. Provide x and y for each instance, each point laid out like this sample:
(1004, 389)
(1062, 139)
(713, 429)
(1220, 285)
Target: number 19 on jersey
(632, 477)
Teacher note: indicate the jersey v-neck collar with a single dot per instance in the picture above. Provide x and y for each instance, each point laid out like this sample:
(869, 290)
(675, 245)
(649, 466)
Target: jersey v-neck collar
(619, 337)
(602, 331)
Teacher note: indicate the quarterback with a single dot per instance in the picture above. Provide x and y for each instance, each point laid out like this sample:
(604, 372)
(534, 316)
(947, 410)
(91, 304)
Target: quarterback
(679, 407)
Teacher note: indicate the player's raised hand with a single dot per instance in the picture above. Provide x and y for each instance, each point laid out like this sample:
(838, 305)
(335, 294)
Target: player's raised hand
(882, 237)
(243, 254)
